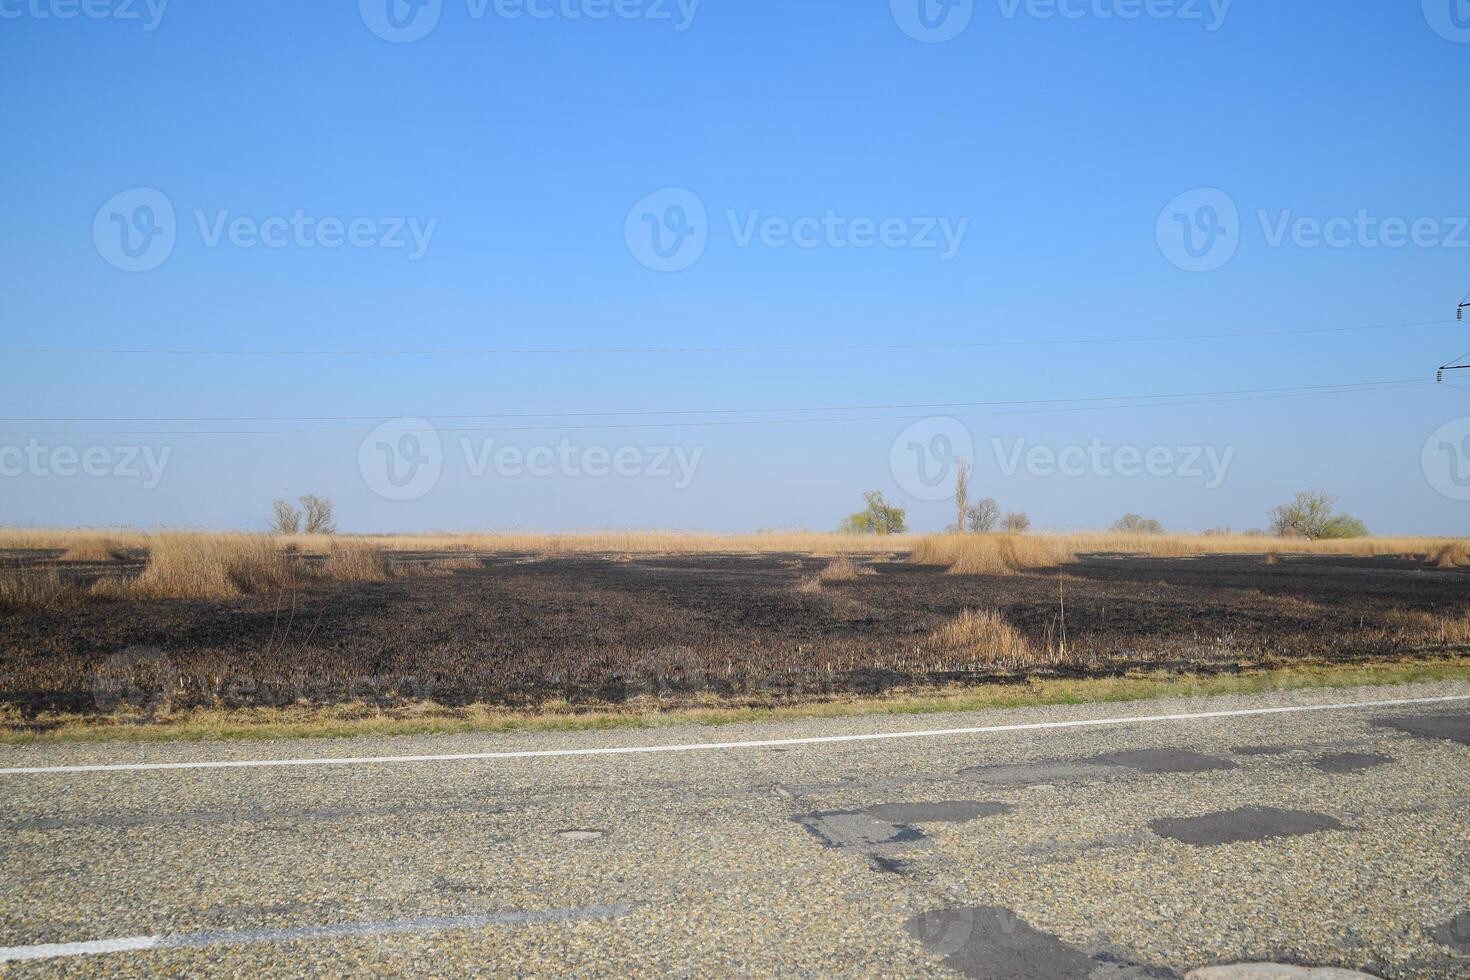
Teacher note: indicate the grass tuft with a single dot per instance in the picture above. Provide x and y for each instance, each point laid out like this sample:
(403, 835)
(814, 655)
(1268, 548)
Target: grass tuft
(353, 561)
(983, 637)
(35, 589)
(206, 566)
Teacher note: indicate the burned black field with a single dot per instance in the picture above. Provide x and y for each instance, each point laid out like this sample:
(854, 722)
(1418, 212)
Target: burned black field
(527, 630)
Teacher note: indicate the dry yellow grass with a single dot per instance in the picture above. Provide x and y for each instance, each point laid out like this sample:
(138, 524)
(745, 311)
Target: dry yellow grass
(1005, 554)
(840, 569)
(34, 588)
(1451, 554)
(206, 566)
(353, 561)
(1029, 547)
(94, 549)
(628, 543)
(992, 554)
(1426, 629)
(985, 638)
(81, 544)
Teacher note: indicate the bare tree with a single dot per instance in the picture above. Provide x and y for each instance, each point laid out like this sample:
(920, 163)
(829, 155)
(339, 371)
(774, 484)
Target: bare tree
(982, 517)
(318, 514)
(961, 491)
(1017, 522)
(1309, 515)
(1281, 518)
(285, 519)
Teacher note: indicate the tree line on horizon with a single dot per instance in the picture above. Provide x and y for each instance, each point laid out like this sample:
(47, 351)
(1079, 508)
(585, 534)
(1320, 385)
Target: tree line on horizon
(1311, 514)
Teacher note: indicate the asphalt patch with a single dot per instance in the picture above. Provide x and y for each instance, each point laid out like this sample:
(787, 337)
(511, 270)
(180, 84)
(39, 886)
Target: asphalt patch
(1164, 760)
(1455, 933)
(1251, 823)
(1456, 728)
(1343, 762)
(994, 944)
(856, 830)
(946, 811)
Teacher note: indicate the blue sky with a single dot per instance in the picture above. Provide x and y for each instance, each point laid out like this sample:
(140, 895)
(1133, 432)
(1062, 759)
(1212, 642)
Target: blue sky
(1057, 144)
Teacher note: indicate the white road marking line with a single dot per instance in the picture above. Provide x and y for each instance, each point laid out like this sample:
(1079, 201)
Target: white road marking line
(198, 940)
(380, 760)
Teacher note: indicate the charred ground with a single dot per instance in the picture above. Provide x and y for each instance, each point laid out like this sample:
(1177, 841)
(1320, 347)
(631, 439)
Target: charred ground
(523, 630)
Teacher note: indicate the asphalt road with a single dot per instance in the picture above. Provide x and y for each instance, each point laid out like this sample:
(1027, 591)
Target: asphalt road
(1326, 837)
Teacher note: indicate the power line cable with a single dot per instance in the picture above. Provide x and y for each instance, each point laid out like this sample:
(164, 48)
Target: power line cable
(709, 411)
(749, 349)
(736, 422)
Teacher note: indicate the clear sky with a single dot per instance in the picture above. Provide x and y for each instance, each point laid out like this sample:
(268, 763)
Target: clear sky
(876, 176)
